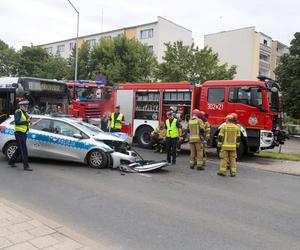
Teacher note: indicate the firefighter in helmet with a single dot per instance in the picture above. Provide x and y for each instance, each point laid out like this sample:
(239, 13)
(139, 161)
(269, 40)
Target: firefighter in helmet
(203, 116)
(196, 131)
(228, 142)
(158, 137)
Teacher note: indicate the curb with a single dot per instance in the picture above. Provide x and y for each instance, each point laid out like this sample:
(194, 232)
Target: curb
(83, 240)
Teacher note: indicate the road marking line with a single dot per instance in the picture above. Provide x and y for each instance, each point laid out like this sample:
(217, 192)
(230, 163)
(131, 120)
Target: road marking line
(145, 175)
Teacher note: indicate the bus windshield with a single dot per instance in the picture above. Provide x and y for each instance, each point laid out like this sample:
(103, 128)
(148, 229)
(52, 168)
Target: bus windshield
(273, 98)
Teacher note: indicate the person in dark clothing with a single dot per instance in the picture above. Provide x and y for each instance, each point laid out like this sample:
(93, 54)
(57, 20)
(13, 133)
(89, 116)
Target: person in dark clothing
(22, 123)
(104, 121)
(174, 131)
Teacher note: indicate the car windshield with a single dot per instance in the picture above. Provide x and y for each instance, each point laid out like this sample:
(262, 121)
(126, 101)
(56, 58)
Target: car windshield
(273, 98)
(86, 127)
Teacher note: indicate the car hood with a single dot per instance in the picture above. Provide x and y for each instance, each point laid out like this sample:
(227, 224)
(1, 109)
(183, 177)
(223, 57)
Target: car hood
(110, 136)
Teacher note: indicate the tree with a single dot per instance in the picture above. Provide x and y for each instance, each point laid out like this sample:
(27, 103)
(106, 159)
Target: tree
(288, 75)
(32, 61)
(122, 60)
(188, 63)
(84, 55)
(56, 67)
(8, 60)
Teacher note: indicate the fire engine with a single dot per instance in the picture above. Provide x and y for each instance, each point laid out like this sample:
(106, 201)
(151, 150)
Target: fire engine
(89, 99)
(256, 102)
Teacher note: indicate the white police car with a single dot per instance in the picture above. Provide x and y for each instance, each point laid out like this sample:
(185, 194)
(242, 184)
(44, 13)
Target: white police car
(64, 138)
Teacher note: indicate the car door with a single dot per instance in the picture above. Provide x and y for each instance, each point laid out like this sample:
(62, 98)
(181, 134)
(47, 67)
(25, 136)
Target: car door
(63, 145)
(39, 137)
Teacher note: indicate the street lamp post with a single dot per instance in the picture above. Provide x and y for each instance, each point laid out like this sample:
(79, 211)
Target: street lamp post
(76, 56)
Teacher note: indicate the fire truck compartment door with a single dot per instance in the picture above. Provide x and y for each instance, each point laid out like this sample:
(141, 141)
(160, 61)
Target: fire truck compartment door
(125, 100)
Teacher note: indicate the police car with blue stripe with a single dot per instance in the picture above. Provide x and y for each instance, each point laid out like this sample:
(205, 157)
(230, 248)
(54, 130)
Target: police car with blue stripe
(64, 138)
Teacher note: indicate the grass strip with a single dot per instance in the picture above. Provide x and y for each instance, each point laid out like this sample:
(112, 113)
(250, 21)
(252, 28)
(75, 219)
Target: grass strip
(278, 156)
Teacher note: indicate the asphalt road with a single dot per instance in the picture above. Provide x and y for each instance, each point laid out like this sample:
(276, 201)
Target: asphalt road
(175, 208)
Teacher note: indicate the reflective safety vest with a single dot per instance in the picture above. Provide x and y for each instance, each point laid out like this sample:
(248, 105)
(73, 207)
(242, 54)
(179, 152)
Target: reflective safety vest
(229, 137)
(172, 130)
(22, 128)
(116, 123)
(207, 130)
(194, 127)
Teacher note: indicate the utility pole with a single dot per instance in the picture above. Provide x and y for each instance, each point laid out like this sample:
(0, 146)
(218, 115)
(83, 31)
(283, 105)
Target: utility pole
(76, 56)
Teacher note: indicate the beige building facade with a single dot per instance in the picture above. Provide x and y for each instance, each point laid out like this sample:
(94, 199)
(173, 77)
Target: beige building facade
(254, 53)
(154, 35)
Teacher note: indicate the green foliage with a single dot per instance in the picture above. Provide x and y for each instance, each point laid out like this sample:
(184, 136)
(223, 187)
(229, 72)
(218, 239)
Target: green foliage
(278, 156)
(83, 70)
(32, 61)
(8, 60)
(288, 75)
(122, 60)
(188, 63)
(56, 67)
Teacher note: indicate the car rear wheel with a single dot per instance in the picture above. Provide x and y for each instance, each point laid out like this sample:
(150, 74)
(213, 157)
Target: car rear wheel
(97, 159)
(9, 149)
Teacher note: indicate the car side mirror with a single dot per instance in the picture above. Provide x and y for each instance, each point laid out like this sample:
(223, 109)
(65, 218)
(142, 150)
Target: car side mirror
(78, 136)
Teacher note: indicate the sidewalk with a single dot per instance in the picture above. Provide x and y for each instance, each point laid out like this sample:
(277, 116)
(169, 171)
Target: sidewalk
(22, 229)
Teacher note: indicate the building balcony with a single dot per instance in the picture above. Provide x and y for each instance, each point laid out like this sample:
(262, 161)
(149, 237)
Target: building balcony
(265, 48)
(264, 65)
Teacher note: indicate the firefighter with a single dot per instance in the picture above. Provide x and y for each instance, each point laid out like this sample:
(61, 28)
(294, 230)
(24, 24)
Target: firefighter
(158, 137)
(116, 120)
(228, 142)
(174, 131)
(203, 117)
(196, 130)
(22, 124)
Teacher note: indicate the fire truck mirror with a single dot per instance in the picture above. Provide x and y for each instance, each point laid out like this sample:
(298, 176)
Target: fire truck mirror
(274, 90)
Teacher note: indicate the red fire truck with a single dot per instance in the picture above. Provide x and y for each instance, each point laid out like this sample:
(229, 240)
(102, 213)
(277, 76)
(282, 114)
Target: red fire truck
(88, 99)
(256, 102)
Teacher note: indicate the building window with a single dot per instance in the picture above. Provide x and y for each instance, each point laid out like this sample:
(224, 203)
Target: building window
(48, 50)
(71, 45)
(150, 48)
(265, 58)
(91, 43)
(265, 42)
(216, 95)
(146, 33)
(61, 48)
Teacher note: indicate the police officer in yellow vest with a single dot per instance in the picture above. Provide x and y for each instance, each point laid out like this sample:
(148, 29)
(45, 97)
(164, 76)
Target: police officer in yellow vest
(203, 117)
(174, 131)
(228, 142)
(196, 131)
(116, 120)
(22, 124)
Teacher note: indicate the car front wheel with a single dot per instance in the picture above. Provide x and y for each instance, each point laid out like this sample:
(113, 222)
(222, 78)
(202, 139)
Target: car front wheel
(97, 159)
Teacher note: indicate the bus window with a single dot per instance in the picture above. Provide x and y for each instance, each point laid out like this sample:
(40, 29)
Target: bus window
(216, 95)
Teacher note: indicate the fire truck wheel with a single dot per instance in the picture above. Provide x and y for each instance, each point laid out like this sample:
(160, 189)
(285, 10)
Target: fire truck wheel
(97, 159)
(143, 137)
(241, 150)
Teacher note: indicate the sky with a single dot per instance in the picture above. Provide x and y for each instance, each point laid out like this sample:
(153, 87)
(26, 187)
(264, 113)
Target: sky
(26, 22)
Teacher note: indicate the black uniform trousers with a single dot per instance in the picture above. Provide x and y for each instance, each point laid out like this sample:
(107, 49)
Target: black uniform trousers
(171, 144)
(21, 149)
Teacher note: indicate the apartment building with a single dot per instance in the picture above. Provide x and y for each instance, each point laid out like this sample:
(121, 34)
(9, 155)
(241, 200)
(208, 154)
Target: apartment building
(154, 35)
(254, 53)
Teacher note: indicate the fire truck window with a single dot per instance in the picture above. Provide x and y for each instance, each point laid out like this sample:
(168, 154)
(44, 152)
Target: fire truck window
(216, 95)
(244, 96)
(256, 97)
